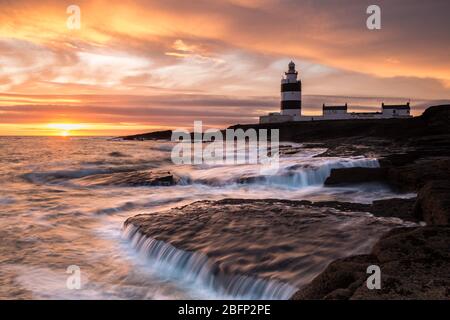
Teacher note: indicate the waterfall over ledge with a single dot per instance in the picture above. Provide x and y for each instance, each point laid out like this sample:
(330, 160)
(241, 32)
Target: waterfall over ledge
(198, 269)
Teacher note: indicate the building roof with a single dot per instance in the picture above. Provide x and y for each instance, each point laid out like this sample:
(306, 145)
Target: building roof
(291, 68)
(396, 106)
(366, 113)
(342, 107)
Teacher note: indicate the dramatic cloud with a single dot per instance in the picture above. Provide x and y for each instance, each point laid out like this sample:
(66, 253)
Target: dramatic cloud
(157, 64)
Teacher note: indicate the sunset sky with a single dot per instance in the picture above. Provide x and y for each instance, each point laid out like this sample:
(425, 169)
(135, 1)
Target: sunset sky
(137, 66)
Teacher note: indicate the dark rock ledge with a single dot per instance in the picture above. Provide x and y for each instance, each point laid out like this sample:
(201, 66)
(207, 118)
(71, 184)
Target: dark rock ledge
(289, 242)
(414, 264)
(429, 177)
(131, 179)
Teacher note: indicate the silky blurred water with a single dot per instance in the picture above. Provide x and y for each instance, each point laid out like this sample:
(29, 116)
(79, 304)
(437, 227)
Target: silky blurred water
(49, 220)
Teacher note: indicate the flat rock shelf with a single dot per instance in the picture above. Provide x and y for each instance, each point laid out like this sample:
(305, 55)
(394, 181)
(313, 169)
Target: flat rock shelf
(258, 249)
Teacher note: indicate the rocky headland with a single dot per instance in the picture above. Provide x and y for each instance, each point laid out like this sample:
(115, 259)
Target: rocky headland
(414, 156)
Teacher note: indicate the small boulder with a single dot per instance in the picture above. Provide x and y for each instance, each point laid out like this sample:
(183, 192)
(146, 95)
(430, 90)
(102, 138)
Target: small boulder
(414, 176)
(395, 207)
(131, 179)
(433, 203)
(356, 175)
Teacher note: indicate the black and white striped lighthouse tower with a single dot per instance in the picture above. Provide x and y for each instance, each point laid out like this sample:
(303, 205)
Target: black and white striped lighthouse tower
(291, 93)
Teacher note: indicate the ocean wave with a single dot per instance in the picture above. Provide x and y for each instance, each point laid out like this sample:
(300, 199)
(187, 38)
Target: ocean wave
(298, 175)
(198, 269)
(132, 179)
(58, 175)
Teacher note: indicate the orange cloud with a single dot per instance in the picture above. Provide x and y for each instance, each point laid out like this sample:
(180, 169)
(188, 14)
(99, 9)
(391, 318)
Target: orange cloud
(229, 48)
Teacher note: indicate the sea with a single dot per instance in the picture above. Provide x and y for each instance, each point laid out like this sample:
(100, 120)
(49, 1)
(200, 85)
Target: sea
(55, 225)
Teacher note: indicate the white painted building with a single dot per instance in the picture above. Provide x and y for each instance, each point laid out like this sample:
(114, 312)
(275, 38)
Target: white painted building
(335, 112)
(396, 111)
(291, 106)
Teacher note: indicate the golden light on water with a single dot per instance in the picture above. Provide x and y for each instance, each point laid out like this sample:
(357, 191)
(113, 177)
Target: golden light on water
(64, 129)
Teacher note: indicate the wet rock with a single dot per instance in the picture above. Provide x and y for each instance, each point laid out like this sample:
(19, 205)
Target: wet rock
(286, 241)
(339, 280)
(357, 146)
(356, 175)
(289, 149)
(156, 135)
(414, 264)
(131, 179)
(438, 118)
(117, 154)
(433, 203)
(248, 179)
(414, 176)
(395, 207)
(399, 159)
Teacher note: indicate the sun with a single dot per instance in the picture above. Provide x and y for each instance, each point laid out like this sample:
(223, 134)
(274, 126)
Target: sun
(64, 129)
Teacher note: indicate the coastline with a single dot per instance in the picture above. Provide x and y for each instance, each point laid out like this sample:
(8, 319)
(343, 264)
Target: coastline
(414, 156)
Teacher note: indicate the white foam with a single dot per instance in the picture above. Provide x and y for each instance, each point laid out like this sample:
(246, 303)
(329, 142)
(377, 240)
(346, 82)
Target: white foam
(197, 269)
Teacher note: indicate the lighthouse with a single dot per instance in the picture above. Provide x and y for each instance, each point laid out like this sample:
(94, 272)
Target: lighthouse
(291, 93)
(291, 106)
